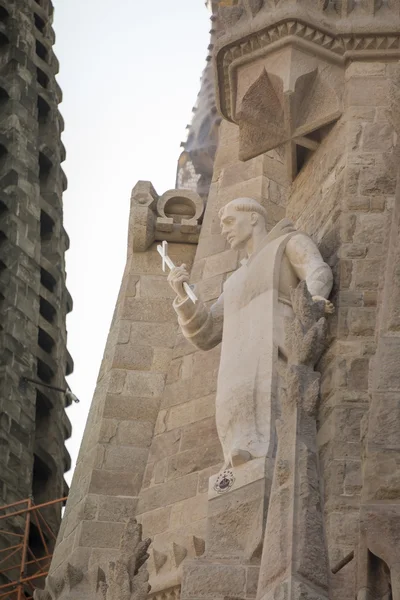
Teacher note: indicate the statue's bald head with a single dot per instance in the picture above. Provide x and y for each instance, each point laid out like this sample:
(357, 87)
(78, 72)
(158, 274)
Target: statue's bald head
(244, 205)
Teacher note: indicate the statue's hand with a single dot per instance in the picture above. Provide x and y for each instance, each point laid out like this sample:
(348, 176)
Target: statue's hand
(329, 307)
(176, 278)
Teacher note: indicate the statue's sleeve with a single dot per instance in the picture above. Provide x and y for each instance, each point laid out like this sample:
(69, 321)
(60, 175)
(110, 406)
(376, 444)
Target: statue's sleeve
(200, 325)
(309, 265)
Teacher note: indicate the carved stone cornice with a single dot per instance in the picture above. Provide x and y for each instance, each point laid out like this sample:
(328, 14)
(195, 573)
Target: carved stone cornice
(233, 51)
(280, 68)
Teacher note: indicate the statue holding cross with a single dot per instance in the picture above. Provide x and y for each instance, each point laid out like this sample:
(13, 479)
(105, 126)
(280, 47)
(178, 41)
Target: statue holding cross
(248, 318)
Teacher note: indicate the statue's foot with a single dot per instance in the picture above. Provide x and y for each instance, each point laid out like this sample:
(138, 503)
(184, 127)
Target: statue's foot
(239, 457)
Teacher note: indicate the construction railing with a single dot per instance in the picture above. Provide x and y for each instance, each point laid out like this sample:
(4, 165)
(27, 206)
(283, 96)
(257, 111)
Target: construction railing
(23, 566)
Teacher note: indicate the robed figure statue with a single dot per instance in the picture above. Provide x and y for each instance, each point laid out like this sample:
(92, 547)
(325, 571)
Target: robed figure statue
(249, 319)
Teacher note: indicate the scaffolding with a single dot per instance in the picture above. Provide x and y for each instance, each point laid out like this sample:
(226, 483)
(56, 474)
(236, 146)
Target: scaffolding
(22, 565)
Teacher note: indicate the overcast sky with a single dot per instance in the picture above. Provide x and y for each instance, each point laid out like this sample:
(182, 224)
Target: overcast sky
(130, 73)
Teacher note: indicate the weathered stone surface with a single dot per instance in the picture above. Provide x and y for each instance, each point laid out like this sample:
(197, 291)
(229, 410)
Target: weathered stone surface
(208, 580)
(171, 492)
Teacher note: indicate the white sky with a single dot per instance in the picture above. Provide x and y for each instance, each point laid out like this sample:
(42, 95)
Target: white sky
(130, 72)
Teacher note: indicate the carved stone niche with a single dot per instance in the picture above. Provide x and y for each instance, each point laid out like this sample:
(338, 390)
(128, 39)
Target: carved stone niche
(175, 217)
(283, 87)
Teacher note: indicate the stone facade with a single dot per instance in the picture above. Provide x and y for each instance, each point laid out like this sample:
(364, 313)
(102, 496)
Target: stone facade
(309, 93)
(33, 296)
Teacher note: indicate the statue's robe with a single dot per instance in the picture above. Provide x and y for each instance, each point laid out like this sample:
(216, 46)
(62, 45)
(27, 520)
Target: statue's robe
(249, 319)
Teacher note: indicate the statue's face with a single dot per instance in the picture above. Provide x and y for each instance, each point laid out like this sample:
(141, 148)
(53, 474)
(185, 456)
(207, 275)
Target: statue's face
(236, 226)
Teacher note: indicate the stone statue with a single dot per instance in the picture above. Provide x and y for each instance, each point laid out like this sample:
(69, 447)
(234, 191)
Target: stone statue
(249, 319)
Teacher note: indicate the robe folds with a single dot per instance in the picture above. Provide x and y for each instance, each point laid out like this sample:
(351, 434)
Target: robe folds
(248, 318)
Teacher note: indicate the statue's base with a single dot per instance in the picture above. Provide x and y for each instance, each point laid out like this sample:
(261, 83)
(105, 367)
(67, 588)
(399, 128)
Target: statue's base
(237, 509)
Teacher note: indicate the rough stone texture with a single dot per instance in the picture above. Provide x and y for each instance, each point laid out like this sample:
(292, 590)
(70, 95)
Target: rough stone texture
(34, 300)
(294, 552)
(378, 563)
(125, 578)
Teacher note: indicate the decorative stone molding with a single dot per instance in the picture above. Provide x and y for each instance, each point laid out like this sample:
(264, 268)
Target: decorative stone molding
(175, 217)
(279, 67)
(173, 593)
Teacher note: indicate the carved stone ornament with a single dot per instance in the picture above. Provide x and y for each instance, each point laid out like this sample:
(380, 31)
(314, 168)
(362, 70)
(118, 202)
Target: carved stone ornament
(125, 578)
(280, 68)
(224, 482)
(175, 217)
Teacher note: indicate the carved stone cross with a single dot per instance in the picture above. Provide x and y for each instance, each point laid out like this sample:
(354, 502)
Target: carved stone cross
(162, 249)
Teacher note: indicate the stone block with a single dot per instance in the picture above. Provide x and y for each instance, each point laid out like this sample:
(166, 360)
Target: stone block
(352, 478)
(210, 289)
(155, 287)
(143, 384)
(241, 171)
(206, 362)
(236, 517)
(194, 460)
(388, 375)
(116, 381)
(131, 288)
(378, 180)
(118, 483)
(378, 136)
(204, 477)
(165, 444)
(369, 229)
(210, 245)
(201, 433)
(149, 262)
(111, 508)
(378, 204)
(225, 262)
(345, 530)
(161, 423)
(366, 274)
(123, 332)
(252, 575)
(365, 91)
(156, 521)
(154, 334)
(197, 271)
(160, 471)
(183, 347)
(361, 321)
(345, 273)
(207, 580)
(148, 310)
(168, 493)
(99, 534)
(135, 433)
(161, 360)
(122, 458)
(196, 387)
(188, 511)
(174, 370)
(132, 357)
(130, 407)
(194, 410)
(365, 69)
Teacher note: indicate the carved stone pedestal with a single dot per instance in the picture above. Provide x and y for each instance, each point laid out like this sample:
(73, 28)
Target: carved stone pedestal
(237, 507)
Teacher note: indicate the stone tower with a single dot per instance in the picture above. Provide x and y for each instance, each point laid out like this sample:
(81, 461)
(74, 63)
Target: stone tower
(196, 162)
(33, 296)
(309, 93)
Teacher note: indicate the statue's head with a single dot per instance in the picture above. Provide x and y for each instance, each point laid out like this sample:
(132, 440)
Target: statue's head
(240, 218)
